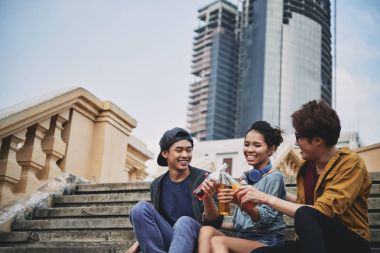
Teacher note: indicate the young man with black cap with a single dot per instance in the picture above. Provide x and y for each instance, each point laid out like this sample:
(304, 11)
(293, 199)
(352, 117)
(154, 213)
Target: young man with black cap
(172, 222)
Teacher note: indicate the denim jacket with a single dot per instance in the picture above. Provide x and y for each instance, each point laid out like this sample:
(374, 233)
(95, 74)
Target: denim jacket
(270, 219)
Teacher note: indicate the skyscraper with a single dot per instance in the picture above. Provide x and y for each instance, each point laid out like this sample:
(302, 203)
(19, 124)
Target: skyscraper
(282, 60)
(211, 111)
(285, 59)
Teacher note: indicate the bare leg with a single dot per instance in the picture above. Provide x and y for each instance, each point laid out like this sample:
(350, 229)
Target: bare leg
(204, 238)
(224, 244)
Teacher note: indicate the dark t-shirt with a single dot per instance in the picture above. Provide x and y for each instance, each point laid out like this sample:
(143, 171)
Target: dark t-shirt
(175, 199)
(311, 179)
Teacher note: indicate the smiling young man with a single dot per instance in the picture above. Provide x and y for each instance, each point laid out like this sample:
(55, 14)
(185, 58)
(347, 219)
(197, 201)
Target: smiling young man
(331, 209)
(172, 222)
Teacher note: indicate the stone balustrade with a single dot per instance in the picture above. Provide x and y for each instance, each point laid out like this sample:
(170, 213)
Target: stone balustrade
(71, 131)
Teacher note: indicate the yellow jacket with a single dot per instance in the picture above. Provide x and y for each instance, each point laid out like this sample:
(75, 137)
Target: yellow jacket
(342, 191)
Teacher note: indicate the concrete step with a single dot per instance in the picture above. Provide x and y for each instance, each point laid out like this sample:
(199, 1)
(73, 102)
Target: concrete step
(72, 247)
(112, 187)
(114, 235)
(90, 199)
(373, 204)
(375, 176)
(375, 189)
(72, 223)
(110, 210)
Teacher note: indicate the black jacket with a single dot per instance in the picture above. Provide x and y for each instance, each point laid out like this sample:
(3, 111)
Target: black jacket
(196, 177)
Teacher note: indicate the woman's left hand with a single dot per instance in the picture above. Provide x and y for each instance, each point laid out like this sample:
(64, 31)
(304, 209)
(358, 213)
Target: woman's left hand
(249, 193)
(226, 195)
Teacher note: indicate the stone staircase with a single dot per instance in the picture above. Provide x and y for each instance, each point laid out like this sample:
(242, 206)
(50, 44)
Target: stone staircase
(95, 218)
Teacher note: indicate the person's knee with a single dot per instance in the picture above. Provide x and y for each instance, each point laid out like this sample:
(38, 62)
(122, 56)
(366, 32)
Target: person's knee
(304, 212)
(206, 232)
(217, 241)
(305, 216)
(140, 209)
(186, 223)
(185, 220)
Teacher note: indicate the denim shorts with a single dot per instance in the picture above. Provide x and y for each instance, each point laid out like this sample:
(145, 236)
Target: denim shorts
(269, 239)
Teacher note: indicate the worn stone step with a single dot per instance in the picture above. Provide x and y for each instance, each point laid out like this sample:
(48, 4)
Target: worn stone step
(90, 204)
(115, 235)
(290, 180)
(72, 247)
(83, 211)
(112, 187)
(89, 199)
(373, 204)
(375, 189)
(375, 176)
(72, 223)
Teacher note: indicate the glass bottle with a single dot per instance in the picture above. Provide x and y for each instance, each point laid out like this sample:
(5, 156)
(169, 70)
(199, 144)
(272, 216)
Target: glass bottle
(198, 192)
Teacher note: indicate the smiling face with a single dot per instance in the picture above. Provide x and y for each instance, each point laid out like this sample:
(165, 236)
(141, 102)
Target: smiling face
(256, 150)
(179, 155)
(311, 148)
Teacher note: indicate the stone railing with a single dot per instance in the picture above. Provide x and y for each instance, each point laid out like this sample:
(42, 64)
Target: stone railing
(72, 131)
(371, 156)
(137, 155)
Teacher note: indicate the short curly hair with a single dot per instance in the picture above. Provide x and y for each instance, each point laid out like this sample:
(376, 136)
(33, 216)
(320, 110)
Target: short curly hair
(317, 119)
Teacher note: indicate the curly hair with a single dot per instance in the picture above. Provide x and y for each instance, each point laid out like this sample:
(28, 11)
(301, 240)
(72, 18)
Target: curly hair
(317, 119)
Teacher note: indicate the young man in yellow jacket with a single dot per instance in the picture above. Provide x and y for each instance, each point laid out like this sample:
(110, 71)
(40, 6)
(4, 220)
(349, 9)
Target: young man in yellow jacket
(330, 211)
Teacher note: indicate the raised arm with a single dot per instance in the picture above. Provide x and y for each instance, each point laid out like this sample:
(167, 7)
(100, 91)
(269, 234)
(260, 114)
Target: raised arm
(251, 194)
(210, 209)
(290, 197)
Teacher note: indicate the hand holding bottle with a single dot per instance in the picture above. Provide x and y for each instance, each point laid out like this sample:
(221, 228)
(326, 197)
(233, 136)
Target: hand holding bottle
(249, 197)
(208, 186)
(226, 195)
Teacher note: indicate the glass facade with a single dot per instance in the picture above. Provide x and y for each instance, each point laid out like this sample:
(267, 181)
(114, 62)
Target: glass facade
(261, 62)
(301, 61)
(285, 59)
(272, 62)
(251, 69)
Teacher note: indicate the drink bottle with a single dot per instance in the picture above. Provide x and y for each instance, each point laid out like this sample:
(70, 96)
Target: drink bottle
(198, 192)
(235, 185)
(223, 183)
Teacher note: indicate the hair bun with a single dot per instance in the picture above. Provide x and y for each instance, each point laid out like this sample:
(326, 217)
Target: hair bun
(272, 136)
(261, 125)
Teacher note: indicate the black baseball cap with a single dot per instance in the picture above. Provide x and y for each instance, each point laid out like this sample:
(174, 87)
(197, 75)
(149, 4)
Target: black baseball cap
(169, 138)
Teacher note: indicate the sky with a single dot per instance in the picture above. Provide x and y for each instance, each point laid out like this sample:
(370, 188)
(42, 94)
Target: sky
(137, 54)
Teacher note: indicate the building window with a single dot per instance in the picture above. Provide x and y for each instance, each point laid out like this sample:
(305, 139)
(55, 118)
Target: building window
(229, 163)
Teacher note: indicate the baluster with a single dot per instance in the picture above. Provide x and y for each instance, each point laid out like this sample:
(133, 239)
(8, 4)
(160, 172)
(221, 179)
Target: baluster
(31, 157)
(53, 146)
(10, 170)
